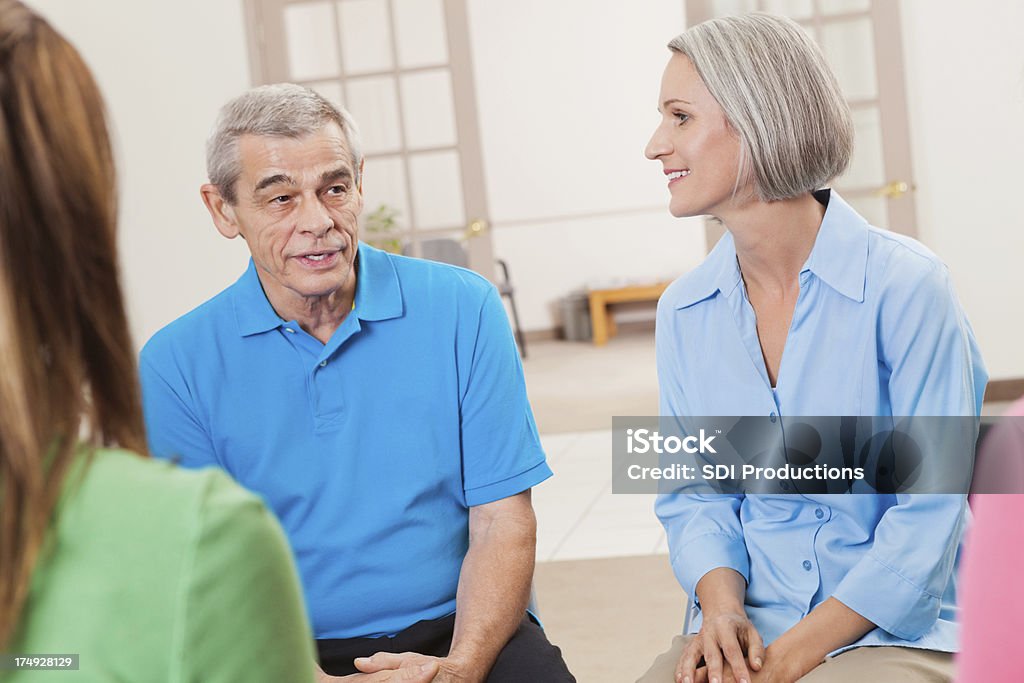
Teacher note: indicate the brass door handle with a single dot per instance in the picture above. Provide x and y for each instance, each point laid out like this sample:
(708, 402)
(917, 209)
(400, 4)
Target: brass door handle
(476, 227)
(895, 189)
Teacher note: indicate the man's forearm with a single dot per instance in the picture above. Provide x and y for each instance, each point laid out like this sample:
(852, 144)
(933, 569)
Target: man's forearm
(494, 589)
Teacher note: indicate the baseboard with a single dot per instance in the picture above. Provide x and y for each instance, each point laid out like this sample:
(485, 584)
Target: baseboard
(549, 334)
(553, 333)
(1004, 390)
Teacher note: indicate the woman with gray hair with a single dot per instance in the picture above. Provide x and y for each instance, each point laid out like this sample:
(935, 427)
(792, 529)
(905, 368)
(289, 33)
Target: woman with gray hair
(802, 308)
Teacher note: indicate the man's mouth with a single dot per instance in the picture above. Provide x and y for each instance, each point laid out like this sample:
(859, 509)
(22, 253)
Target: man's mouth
(318, 258)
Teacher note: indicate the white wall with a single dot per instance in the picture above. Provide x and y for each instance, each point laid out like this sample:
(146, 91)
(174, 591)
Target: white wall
(567, 96)
(164, 68)
(965, 82)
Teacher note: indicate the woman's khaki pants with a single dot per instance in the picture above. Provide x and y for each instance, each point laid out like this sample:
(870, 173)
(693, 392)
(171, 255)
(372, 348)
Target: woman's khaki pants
(874, 664)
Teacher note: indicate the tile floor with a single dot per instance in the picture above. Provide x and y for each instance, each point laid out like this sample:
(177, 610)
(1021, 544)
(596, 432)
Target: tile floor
(578, 517)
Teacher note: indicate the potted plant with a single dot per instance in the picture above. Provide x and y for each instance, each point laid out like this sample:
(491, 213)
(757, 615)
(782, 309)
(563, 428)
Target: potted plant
(380, 227)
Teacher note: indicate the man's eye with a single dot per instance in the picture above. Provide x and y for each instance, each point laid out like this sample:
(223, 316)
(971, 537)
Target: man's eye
(337, 190)
(281, 199)
(683, 118)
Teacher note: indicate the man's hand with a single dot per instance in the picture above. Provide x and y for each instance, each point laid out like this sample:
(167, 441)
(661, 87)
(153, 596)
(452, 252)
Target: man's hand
(421, 670)
(726, 641)
(444, 669)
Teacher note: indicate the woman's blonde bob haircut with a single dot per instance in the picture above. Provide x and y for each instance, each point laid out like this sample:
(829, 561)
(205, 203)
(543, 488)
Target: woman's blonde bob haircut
(779, 96)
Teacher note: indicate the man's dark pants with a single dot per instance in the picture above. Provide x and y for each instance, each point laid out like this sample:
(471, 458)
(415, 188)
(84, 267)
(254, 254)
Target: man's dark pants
(527, 658)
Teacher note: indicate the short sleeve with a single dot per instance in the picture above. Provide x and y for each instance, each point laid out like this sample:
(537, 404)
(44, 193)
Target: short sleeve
(173, 430)
(501, 450)
(242, 615)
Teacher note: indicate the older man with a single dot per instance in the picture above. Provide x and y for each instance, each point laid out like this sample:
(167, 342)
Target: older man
(376, 402)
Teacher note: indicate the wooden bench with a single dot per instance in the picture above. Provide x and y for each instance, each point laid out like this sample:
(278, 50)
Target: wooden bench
(601, 321)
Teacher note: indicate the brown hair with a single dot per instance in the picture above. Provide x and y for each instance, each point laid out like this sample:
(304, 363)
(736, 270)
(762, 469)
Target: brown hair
(68, 374)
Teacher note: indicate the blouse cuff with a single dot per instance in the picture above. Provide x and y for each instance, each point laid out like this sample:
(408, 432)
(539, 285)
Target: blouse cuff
(701, 554)
(888, 599)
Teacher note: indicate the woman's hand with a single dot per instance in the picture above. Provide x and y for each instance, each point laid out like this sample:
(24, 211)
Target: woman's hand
(726, 637)
(830, 626)
(727, 641)
(786, 665)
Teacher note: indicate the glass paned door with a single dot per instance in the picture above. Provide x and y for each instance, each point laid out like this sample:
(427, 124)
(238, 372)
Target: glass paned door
(861, 40)
(402, 68)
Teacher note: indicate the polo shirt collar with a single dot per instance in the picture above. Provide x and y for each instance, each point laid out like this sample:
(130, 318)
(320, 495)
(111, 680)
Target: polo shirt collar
(252, 308)
(378, 290)
(839, 257)
(378, 294)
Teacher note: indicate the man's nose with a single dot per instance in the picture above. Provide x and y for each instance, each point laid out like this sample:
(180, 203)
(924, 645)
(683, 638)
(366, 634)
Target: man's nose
(315, 218)
(658, 146)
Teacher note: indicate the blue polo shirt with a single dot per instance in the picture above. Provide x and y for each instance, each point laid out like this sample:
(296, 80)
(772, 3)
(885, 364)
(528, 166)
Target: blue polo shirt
(370, 449)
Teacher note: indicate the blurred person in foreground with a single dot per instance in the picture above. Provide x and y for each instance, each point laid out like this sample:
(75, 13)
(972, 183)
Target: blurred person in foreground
(993, 602)
(801, 309)
(147, 572)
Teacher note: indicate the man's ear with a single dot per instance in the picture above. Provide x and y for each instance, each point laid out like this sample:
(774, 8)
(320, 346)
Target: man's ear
(362, 163)
(221, 211)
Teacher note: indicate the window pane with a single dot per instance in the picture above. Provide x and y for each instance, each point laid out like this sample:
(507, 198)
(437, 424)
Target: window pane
(723, 8)
(384, 185)
(331, 90)
(867, 168)
(437, 190)
(850, 49)
(429, 109)
(309, 33)
(794, 9)
(365, 36)
(414, 246)
(844, 6)
(374, 106)
(420, 33)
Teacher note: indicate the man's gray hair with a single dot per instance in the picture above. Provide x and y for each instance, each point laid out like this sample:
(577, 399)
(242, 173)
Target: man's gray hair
(779, 95)
(284, 110)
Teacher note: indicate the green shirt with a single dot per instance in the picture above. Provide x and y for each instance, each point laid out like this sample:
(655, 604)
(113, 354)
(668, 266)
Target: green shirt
(153, 573)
